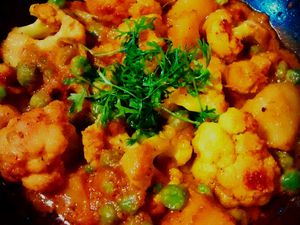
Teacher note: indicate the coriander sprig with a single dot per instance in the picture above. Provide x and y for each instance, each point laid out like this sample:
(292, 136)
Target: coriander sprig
(136, 93)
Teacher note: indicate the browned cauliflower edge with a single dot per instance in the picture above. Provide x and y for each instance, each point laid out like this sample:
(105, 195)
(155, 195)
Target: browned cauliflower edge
(32, 147)
(234, 161)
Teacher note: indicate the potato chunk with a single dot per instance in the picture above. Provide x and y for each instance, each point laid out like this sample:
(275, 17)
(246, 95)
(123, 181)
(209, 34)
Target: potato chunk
(185, 19)
(277, 110)
(200, 210)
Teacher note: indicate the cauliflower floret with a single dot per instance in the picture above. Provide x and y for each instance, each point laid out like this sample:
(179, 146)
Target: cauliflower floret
(185, 19)
(253, 30)
(96, 139)
(174, 141)
(277, 110)
(32, 147)
(150, 9)
(222, 43)
(211, 96)
(7, 74)
(212, 99)
(51, 28)
(145, 7)
(135, 160)
(110, 11)
(225, 39)
(234, 161)
(248, 76)
(7, 112)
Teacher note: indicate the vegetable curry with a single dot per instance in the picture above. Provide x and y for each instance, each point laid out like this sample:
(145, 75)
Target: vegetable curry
(140, 112)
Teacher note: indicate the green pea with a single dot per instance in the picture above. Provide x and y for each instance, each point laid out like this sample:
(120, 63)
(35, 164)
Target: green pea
(108, 214)
(222, 2)
(281, 70)
(286, 161)
(138, 220)
(108, 186)
(39, 100)
(88, 169)
(59, 3)
(204, 189)
(2, 93)
(129, 204)
(26, 73)
(109, 158)
(290, 180)
(173, 197)
(293, 76)
(80, 66)
(255, 49)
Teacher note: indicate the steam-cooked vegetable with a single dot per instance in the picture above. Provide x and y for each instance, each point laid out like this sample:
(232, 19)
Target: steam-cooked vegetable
(277, 110)
(41, 136)
(108, 214)
(2, 93)
(293, 76)
(290, 180)
(173, 196)
(80, 66)
(136, 94)
(39, 99)
(141, 112)
(129, 203)
(59, 3)
(227, 151)
(26, 73)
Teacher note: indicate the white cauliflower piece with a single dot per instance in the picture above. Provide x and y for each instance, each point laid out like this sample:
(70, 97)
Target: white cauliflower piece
(102, 144)
(32, 147)
(212, 99)
(254, 30)
(222, 43)
(211, 96)
(7, 112)
(174, 141)
(248, 76)
(51, 28)
(234, 161)
(110, 12)
(97, 139)
(225, 39)
(145, 7)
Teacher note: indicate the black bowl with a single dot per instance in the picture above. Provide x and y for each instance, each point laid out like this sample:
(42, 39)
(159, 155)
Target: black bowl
(283, 210)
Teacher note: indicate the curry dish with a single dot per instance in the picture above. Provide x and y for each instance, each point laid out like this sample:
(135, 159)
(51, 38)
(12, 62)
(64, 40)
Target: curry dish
(140, 112)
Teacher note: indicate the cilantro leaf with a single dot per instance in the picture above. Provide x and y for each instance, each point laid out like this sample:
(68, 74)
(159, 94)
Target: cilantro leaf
(135, 92)
(77, 100)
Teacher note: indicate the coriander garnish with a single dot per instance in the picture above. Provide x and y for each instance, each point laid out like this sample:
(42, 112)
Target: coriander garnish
(129, 90)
